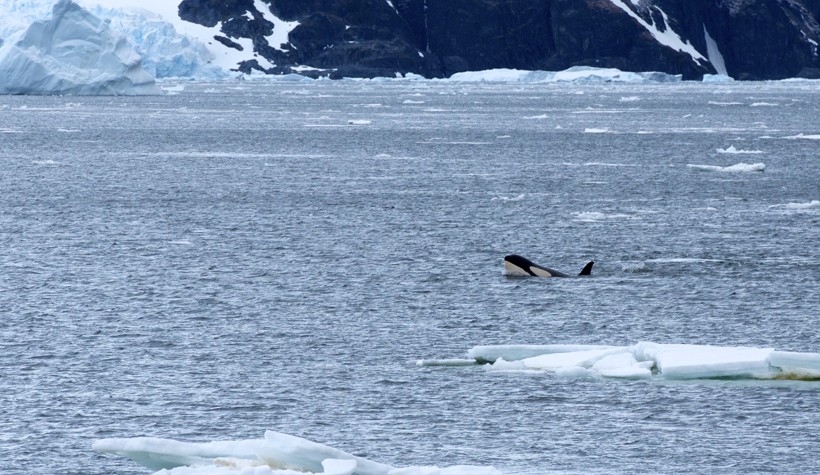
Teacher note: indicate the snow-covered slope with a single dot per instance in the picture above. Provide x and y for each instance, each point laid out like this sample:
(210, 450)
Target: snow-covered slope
(70, 52)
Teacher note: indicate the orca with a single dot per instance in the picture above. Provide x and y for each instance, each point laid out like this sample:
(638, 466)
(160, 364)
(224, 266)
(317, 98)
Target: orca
(515, 265)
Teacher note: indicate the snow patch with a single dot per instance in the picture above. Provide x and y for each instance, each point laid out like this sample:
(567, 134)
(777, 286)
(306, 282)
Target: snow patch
(281, 28)
(664, 35)
(713, 52)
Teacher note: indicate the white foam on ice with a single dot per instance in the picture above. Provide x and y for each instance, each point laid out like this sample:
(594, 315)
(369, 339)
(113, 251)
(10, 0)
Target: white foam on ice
(646, 359)
(736, 168)
(275, 454)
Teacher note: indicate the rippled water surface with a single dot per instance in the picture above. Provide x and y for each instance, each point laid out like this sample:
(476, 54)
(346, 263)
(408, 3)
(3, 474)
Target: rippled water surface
(248, 256)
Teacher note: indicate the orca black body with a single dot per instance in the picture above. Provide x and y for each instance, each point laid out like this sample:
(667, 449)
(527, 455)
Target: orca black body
(516, 265)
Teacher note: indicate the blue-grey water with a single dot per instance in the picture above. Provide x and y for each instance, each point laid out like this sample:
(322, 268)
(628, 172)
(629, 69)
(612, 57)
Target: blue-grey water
(237, 257)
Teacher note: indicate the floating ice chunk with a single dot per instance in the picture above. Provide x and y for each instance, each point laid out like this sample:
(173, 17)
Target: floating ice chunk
(595, 216)
(703, 361)
(646, 360)
(802, 136)
(731, 149)
(738, 167)
(276, 454)
(813, 204)
(72, 52)
(508, 198)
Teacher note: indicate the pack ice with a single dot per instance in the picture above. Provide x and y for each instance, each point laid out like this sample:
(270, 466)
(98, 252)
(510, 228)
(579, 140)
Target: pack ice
(72, 52)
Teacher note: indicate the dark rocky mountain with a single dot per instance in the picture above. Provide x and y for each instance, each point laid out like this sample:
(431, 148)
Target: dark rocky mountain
(748, 39)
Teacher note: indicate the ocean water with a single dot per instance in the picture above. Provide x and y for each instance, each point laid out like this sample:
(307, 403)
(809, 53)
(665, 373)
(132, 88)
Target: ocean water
(236, 257)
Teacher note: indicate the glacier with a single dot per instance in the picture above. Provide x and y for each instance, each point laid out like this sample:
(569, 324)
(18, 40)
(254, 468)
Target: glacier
(166, 53)
(71, 52)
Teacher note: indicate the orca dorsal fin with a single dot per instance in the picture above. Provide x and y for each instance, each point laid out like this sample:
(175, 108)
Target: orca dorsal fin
(587, 270)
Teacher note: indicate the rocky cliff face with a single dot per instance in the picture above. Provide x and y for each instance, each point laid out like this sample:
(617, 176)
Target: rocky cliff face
(746, 39)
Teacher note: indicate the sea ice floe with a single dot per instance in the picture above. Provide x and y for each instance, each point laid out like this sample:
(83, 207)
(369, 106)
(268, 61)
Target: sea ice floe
(649, 360)
(732, 150)
(736, 168)
(275, 454)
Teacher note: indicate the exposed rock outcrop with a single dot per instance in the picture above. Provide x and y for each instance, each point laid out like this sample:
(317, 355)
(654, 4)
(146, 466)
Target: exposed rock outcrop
(746, 39)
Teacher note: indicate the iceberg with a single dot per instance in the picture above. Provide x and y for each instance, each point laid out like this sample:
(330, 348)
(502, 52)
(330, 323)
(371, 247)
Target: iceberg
(647, 360)
(276, 454)
(71, 52)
